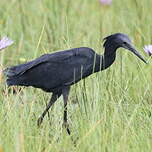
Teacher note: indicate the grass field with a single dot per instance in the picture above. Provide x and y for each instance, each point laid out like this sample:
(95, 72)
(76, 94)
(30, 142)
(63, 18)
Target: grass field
(109, 111)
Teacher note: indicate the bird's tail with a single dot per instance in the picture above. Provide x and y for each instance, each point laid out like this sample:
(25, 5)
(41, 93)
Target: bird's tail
(12, 77)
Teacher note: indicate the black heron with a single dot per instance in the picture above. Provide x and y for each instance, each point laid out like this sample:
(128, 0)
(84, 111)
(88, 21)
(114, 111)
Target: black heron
(56, 72)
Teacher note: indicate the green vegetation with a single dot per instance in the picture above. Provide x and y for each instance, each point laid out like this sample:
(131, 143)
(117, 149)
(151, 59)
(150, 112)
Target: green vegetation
(109, 111)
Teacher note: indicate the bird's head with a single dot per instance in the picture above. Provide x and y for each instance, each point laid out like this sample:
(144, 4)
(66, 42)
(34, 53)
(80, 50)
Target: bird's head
(118, 40)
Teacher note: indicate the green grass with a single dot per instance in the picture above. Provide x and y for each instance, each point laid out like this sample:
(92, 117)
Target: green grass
(109, 111)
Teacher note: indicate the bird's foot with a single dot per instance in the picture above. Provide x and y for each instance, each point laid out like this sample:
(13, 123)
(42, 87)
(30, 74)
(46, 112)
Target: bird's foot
(39, 121)
(66, 126)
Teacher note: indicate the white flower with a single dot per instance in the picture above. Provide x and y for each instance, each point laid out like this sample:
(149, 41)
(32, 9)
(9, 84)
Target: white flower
(106, 2)
(5, 42)
(148, 49)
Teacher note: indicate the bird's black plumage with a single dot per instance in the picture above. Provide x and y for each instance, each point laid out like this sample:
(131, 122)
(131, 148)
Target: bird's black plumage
(51, 72)
(56, 72)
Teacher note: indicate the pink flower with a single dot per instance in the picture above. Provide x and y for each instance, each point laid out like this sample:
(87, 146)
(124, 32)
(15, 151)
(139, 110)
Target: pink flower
(5, 42)
(148, 49)
(105, 2)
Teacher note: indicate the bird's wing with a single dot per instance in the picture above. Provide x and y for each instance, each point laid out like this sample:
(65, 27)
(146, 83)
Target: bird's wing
(73, 57)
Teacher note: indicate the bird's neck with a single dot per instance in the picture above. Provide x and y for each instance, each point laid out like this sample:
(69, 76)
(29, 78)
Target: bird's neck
(104, 61)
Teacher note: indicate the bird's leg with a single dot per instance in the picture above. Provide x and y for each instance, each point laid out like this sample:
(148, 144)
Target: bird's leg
(65, 93)
(52, 101)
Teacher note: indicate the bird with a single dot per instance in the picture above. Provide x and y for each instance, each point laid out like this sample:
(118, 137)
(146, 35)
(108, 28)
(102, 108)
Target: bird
(58, 71)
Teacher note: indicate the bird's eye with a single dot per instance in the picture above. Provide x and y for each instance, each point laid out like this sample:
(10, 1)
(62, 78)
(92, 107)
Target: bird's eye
(124, 42)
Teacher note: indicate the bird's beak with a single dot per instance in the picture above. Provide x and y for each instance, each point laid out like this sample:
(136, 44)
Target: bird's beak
(133, 50)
